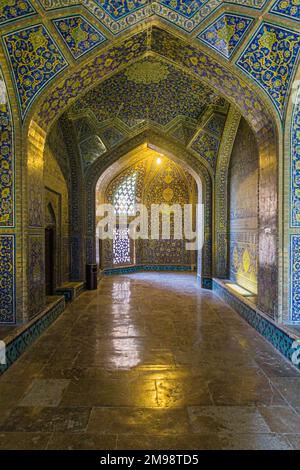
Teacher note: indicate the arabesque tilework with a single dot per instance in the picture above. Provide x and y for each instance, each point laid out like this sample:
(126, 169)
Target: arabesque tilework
(184, 54)
(295, 168)
(148, 90)
(118, 9)
(293, 178)
(188, 15)
(287, 8)
(7, 278)
(11, 10)
(295, 278)
(216, 124)
(207, 146)
(188, 8)
(219, 77)
(6, 159)
(270, 59)
(35, 60)
(49, 5)
(79, 35)
(117, 16)
(226, 33)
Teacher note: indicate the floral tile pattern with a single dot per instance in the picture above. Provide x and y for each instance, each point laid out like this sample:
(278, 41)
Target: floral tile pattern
(78, 34)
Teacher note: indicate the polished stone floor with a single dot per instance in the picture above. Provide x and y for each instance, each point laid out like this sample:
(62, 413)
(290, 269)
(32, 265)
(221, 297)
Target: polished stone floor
(150, 361)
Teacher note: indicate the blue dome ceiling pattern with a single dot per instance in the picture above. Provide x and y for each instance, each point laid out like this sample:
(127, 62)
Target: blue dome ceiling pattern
(231, 30)
(149, 94)
(148, 90)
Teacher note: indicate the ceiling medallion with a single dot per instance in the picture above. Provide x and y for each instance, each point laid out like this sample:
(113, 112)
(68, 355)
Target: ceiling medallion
(168, 194)
(147, 71)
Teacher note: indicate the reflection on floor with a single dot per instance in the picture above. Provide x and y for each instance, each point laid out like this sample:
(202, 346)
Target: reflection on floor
(150, 361)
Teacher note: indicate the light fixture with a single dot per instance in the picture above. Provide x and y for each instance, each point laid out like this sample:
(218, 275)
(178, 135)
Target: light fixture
(239, 290)
(158, 160)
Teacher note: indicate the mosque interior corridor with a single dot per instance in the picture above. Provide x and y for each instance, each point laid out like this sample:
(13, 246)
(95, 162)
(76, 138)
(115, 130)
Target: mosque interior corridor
(150, 361)
(149, 224)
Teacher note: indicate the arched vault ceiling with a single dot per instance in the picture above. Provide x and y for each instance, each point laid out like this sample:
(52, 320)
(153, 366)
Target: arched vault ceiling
(147, 90)
(149, 93)
(45, 39)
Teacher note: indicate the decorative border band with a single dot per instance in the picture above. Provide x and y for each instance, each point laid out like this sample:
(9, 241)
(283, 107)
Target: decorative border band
(134, 269)
(281, 339)
(17, 344)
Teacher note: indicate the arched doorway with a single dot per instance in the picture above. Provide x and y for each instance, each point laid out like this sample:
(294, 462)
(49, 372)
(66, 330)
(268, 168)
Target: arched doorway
(228, 83)
(147, 181)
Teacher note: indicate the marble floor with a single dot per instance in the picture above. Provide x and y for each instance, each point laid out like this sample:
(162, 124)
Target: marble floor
(150, 361)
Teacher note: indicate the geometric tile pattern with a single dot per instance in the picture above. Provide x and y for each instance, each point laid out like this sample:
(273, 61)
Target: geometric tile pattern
(35, 60)
(269, 59)
(295, 168)
(289, 8)
(7, 279)
(225, 33)
(11, 10)
(78, 34)
(6, 160)
(295, 278)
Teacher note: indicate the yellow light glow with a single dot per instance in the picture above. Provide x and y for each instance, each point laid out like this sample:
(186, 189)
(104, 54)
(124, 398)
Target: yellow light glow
(239, 290)
(158, 161)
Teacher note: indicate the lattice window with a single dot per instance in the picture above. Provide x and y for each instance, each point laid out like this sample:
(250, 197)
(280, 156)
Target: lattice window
(125, 195)
(121, 246)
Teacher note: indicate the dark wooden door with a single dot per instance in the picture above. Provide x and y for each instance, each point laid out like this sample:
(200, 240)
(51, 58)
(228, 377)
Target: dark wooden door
(49, 260)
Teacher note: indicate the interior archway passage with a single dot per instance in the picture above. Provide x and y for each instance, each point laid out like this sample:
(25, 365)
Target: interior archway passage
(147, 181)
(150, 96)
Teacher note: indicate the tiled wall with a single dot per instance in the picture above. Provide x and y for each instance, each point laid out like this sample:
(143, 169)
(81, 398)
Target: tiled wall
(56, 194)
(280, 338)
(291, 214)
(7, 210)
(167, 183)
(243, 177)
